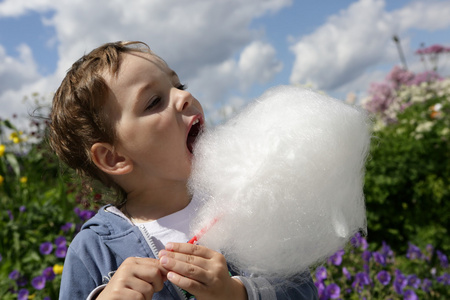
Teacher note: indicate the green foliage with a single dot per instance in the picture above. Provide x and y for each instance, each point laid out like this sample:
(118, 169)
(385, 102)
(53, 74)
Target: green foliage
(407, 184)
(38, 206)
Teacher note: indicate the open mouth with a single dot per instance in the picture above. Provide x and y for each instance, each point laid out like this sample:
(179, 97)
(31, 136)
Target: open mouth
(192, 135)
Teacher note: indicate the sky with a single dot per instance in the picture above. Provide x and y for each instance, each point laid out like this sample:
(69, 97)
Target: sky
(228, 52)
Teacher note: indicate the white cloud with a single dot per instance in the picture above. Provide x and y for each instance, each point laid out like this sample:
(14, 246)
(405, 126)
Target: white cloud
(15, 8)
(352, 42)
(199, 39)
(341, 49)
(15, 72)
(258, 63)
(429, 15)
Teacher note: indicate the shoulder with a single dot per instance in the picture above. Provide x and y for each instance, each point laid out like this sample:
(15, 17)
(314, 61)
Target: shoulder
(103, 225)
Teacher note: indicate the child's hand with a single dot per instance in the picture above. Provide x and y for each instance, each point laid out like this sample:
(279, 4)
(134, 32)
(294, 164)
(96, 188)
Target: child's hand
(200, 271)
(136, 278)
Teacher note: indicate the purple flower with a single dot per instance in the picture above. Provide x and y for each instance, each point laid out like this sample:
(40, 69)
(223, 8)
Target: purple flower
(22, 281)
(410, 295)
(361, 279)
(384, 277)
(366, 255)
(426, 284)
(413, 252)
(399, 282)
(359, 242)
(1, 257)
(77, 211)
(46, 248)
(22, 208)
(333, 291)
(14, 275)
(84, 214)
(61, 251)
(386, 251)
(444, 279)
(382, 96)
(379, 258)
(38, 282)
(321, 273)
(60, 241)
(23, 294)
(336, 258)
(346, 273)
(10, 215)
(66, 227)
(442, 258)
(433, 49)
(48, 274)
(321, 290)
(427, 76)
(413, 281)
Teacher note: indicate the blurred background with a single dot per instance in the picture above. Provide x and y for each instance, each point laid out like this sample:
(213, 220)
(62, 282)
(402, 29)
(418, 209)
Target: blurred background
(391, 58)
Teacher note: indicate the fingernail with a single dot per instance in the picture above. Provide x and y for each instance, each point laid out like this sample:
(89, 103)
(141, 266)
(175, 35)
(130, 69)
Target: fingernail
(164, 260)
(169, 246)
(162, 253)
(170, 275)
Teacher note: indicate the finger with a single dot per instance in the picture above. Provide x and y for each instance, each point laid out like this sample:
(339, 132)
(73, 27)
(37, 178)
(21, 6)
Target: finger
(187, 258)
(146, 269)
(192, 286)
(115, 292)
(192, 249)
(185, 269)
(142, 287)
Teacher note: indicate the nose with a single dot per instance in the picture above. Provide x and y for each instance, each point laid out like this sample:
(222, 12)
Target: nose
(183, 99)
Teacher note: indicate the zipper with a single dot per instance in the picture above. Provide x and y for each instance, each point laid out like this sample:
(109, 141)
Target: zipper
(151, 243)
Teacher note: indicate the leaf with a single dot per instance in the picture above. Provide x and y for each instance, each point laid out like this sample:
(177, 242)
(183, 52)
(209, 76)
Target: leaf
(12, 160)
(8, 124)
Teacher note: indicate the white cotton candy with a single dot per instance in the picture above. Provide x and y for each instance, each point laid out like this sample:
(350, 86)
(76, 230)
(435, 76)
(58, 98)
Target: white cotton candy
(284, 179)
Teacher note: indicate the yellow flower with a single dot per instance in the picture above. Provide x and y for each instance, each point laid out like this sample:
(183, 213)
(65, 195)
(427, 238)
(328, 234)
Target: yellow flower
(2, 150)
(23, 179)
(57, 269)
(1, 179)
(16, 137)
(31, 296)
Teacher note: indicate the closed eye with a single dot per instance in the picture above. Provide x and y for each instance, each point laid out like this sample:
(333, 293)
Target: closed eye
(153, 103)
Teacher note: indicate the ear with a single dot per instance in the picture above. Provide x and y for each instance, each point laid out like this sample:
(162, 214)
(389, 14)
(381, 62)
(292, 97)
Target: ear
(106, 158)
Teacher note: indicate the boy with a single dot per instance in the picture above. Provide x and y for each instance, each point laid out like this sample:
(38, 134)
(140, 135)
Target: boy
(122, 116)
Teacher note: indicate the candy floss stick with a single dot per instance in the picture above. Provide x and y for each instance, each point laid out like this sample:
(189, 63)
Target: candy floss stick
(286, 178)
(196, 237)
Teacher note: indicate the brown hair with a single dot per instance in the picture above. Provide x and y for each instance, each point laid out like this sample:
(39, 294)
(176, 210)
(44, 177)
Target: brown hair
(78, 119)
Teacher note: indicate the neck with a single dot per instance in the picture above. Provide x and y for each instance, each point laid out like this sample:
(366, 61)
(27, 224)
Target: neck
(152, 204)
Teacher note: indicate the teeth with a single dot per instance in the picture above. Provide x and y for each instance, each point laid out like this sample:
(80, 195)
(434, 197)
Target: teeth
(195, 122)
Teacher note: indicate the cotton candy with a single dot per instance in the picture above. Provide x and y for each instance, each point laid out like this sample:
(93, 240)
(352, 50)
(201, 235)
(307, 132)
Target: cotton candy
(281, 183)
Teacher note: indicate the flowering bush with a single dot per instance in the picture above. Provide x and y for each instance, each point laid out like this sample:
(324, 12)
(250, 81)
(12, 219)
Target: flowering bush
(39, 216)
(358, 273)
(407, 184)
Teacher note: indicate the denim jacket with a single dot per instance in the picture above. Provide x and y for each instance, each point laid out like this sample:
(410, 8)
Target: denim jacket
(107, 239)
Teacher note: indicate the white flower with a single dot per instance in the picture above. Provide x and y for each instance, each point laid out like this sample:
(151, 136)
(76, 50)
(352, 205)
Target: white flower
(424, 127)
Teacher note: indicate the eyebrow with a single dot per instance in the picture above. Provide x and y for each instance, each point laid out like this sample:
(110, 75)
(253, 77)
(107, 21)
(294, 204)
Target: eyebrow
(141, 91)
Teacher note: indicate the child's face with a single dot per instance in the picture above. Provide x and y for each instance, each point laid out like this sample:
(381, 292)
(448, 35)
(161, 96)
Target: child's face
(156, 121)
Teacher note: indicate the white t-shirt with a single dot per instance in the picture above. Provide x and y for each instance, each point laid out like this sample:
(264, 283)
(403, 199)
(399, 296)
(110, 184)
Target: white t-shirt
(170, 228)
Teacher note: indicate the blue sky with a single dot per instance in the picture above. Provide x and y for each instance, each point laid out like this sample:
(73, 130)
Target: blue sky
(228, 52)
